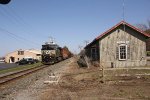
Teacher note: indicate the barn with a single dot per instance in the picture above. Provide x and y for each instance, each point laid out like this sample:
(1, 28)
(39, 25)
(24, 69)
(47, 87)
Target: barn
(123, 45)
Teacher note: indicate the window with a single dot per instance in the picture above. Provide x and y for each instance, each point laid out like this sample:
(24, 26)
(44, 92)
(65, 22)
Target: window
(38, 54)
(93, 53)
(118, 30)
(20, 52)
(123, 52)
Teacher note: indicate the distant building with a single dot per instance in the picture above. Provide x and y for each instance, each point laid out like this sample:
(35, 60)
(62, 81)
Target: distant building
(20, 54)
(121, 46)
(2, 59)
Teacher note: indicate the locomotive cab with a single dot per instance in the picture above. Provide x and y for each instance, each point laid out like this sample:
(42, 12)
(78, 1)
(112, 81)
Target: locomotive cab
(51, 53)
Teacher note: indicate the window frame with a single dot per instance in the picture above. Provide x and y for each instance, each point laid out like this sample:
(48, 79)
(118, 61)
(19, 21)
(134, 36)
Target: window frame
(126, 52)
(20, 52)
(94, 54)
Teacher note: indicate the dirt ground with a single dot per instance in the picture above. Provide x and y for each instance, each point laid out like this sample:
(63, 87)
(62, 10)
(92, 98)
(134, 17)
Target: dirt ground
(87, 84)
(82, 84)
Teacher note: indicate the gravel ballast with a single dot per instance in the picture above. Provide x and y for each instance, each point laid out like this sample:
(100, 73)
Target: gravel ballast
(28, 87)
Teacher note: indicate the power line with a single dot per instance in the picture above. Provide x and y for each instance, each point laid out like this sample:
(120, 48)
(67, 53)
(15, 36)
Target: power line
(5, 15)
(19, 37)
(18, 20)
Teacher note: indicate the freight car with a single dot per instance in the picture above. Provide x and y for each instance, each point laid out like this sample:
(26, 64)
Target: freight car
(65, 53)
(52, 53)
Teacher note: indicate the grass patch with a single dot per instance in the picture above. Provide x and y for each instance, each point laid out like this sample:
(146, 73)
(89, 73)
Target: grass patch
(120, 93)
(126, 71)
(18, 68)
(91, 75)
(114, 75)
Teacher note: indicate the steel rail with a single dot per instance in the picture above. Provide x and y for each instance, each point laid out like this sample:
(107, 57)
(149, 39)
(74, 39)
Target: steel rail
(10, 77)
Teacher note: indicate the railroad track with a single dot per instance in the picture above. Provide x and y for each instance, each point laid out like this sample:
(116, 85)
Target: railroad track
(7, 78)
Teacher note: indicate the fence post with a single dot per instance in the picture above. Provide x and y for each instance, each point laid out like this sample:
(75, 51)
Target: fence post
(103, 74)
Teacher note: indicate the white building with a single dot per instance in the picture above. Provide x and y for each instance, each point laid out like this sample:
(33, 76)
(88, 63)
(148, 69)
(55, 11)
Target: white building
(20, 54)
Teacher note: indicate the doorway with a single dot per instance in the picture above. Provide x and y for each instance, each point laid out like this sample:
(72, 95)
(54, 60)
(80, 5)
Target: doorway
(12, 59)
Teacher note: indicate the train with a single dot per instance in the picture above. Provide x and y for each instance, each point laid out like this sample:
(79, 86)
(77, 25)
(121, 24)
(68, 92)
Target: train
(52, 53)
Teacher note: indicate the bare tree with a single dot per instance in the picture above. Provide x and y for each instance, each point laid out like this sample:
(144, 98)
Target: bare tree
(148, 29)
(86, 42)
(80, 47)
(144, 27)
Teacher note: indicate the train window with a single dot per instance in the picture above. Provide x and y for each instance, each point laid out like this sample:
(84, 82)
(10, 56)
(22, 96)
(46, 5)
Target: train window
(47, 47)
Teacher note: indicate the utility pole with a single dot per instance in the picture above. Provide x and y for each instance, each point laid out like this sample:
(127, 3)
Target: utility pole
(103, 76)
(123, 12)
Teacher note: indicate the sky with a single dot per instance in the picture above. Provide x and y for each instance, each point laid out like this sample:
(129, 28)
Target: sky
(27, 24)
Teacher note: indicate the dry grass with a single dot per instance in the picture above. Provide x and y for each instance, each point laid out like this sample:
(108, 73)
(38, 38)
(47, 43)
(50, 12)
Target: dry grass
(18, 68)
(86, 84)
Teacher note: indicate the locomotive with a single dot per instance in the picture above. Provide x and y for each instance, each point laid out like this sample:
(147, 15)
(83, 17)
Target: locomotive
(52, 53)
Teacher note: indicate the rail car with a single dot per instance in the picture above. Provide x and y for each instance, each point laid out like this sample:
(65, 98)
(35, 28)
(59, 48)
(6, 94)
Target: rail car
(52, 53)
